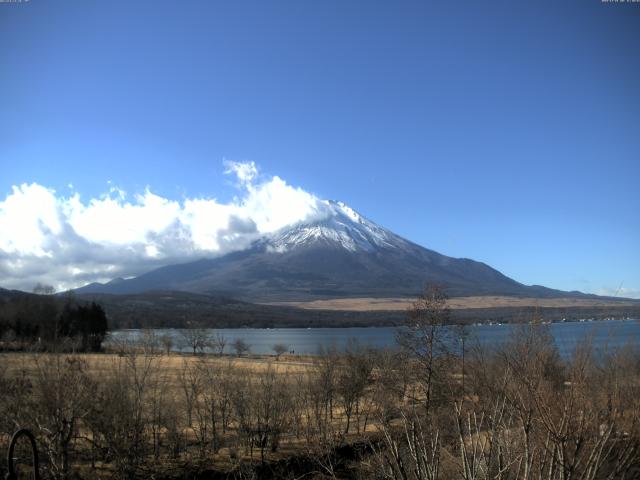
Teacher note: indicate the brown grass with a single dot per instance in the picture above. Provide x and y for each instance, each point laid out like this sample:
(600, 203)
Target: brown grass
(171, 365)
(367, 304)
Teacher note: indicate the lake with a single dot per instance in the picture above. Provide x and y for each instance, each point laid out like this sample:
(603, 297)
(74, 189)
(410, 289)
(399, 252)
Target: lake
(604, 334)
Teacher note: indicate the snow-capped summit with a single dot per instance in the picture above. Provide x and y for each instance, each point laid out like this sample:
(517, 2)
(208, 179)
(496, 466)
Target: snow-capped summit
(339, 227)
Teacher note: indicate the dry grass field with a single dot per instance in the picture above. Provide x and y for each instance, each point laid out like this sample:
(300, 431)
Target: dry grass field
(100, 364)
(368, 304)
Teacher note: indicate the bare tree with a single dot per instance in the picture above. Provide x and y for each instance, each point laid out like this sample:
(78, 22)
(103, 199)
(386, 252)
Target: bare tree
(279, 349)
(353, 378)
(167, 342)
(191, 385)
(240, 346)
(59, 404)
(409, 452)
(149, 342)
(171, 424)
(121, 344)
(219, 343)
(195, 338)
(423, 338)
(159, 407)
(211, 409)
(411, 446)
(326, 366)
(262, 409)
(120, 417)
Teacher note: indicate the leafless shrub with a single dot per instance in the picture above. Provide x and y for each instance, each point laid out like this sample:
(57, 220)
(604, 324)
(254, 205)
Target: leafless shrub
(423, 338)
(197, 339)
(279, 349)
(219, 342)
(354, 376)
(167, 341)
(119, 417)
(149, 342)
(241, 347)
(262, 411)
(61, 400)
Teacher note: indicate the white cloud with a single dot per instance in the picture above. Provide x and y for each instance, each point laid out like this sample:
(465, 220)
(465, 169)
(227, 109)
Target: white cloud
(274, 204)
(116, 221)
(67, 242)
(27, 217)
(246, 172)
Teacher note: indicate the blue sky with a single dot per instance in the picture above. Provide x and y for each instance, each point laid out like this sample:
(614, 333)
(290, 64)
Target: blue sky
(507, 132)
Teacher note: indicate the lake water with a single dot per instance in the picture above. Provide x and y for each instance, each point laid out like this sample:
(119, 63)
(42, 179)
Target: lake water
(604, 334)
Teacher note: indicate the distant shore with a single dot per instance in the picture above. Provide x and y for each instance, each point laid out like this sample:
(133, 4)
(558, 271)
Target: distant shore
(369, 304)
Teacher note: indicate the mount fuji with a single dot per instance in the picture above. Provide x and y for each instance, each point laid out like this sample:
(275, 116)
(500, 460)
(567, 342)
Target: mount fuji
(339, 254)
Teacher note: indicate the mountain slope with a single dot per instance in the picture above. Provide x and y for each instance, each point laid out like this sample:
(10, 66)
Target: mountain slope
(341, 254)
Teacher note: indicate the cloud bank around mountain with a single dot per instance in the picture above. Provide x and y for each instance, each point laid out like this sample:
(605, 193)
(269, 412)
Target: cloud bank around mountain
(67, 242)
